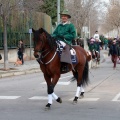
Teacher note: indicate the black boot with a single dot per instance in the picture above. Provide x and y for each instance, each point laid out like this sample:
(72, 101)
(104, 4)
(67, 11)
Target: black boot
(64, 67)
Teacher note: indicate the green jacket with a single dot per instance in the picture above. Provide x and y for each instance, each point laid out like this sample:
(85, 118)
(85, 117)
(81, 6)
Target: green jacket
(92, 47)
(67, 31)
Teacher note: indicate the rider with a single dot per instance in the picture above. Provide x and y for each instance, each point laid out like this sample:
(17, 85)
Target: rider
(96, 36)
(92, 47)
(65, 32)
(97, 49)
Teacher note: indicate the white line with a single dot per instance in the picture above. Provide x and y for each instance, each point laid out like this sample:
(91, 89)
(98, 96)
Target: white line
(39, 98)
(87, 99)
(9, 97)
(116, 97)
(66, 77)
(59, 83)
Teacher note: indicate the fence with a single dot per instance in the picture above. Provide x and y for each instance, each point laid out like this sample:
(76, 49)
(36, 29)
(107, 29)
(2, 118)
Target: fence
(17, 31)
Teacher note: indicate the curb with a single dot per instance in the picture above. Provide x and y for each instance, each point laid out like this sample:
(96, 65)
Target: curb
(19, 73)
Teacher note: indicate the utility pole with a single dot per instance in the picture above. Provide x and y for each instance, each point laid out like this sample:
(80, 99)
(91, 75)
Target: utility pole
(58, 12)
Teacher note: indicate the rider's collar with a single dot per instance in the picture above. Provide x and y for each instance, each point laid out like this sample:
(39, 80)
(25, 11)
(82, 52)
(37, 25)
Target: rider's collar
(68, 22)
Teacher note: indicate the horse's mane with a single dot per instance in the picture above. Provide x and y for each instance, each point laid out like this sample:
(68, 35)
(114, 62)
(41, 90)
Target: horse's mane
(50, 39)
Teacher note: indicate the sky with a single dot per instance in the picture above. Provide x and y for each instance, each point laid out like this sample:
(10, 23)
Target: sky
(105, 0)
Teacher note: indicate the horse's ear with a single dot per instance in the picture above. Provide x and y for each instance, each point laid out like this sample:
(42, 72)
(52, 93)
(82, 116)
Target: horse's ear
(33, 30)
(41, 30)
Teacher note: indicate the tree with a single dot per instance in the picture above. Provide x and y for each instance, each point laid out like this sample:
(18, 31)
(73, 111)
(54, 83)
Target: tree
(112, 19)
(6, 9)
(6, 6)
(82, 12)
(50, 8)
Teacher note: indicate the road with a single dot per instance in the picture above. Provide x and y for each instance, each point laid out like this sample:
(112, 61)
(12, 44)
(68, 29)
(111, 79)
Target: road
(24, 97)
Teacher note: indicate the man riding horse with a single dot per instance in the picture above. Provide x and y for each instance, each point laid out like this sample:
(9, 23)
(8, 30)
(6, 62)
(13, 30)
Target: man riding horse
(47, 55)
(65, 33)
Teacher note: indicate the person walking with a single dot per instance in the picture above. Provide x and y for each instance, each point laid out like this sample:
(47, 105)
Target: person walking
(114, 52)
(106, 43)
(21, 51)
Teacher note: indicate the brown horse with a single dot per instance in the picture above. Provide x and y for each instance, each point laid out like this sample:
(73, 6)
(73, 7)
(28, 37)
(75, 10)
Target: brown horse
(45, 50)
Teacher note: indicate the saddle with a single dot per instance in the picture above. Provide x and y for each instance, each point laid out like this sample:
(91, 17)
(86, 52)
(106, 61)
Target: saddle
(67, 56)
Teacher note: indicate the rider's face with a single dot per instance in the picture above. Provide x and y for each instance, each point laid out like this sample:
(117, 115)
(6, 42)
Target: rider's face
(64, 18)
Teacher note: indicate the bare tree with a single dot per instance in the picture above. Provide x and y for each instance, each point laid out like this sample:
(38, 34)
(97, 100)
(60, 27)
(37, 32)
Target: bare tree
(82, 12)
(112, 19)
(6, 8)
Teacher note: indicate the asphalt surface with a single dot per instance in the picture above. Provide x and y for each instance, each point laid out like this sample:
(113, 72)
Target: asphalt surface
(24, 97)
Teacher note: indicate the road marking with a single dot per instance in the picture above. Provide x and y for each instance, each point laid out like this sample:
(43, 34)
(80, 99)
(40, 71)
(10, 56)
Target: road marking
(9, 97)
(116, 97)
(66, 77)
(61, 83)
(39, 98)
(87, 99)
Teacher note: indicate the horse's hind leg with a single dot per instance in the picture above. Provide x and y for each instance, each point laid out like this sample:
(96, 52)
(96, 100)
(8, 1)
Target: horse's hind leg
(82, 92)
(79, 78)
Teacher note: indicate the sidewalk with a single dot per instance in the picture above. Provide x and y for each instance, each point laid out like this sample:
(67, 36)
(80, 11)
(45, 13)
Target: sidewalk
(29, 67)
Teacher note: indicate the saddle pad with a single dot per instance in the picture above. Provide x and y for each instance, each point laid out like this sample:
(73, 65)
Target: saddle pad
(74, 59)
(73, 52)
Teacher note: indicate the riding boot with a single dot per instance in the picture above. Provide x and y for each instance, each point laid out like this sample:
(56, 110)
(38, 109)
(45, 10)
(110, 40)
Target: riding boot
(64, 67)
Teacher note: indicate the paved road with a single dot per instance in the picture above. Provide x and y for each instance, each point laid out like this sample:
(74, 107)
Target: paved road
(24, 97)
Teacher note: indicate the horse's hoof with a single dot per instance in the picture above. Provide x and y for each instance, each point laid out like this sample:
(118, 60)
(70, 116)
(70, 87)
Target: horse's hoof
(81, 96)
(47, 107)
(59, 100)
(74, 102)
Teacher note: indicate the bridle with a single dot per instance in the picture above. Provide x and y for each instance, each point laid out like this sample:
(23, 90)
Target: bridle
(41, 51)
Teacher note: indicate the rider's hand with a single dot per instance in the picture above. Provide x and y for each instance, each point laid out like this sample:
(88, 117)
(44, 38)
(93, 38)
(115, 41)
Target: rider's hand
(61, 36)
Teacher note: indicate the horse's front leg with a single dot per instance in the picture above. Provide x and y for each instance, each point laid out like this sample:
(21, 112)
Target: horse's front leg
(50, 89)
(54, 82)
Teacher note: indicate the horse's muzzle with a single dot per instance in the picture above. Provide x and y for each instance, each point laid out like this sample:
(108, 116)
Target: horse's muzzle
(36, 56)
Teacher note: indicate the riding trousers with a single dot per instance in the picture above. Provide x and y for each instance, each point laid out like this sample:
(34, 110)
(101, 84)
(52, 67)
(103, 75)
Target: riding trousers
(114, 59)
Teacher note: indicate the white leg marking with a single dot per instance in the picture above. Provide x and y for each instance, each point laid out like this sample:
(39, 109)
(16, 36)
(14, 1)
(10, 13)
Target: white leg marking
(77, 92)
(81, 89)
(54, 96)
(50, 98)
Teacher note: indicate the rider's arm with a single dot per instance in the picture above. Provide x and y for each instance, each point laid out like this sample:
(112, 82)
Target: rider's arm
(55, 33)
(69, 36)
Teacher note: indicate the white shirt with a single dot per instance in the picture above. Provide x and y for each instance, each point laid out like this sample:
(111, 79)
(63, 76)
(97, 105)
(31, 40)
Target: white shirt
(96, 36)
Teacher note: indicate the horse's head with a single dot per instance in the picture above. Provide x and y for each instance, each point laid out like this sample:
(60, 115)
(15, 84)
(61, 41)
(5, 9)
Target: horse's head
(39, 39)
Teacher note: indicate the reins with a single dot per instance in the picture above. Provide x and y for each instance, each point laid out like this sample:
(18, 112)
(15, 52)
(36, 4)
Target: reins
(41, 51)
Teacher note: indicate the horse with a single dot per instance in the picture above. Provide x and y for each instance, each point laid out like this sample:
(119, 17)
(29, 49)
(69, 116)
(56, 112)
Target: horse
(45, 51)
(80, 42)
(95, 57)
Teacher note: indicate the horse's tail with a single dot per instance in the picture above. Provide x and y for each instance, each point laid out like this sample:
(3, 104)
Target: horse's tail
(85, 76)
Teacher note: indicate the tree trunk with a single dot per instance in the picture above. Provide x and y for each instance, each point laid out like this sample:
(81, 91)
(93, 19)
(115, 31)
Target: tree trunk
(6, 64)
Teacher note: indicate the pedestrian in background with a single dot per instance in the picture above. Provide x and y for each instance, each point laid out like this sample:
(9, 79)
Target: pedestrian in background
(113, 51)
(106, 43)
(21, 51)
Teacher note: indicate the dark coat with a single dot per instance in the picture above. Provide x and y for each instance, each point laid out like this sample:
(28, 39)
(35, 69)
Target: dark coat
(113, 50)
